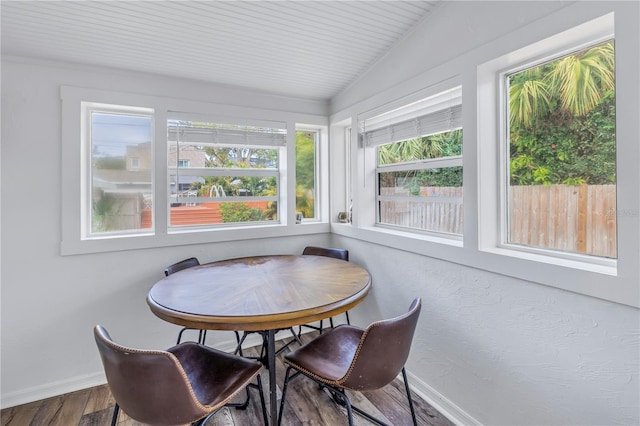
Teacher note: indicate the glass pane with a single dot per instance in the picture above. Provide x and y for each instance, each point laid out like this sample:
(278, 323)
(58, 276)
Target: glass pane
(435, 146)
(220, 156)
(306, 173)
(562, 146)
(197, 151)
(121, 172)
(429, 200)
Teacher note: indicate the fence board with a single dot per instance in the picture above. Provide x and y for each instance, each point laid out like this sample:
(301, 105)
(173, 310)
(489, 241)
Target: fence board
(579, 219)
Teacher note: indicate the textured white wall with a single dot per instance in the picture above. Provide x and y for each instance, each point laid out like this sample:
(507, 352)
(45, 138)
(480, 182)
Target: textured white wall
(505, 351)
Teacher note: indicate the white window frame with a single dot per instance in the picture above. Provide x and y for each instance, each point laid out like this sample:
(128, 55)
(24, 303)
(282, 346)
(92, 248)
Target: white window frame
(74, 171)
(321, 172)
(493, 142)
(436, 98)
(88, 108)
(233, 171)
(316, 181)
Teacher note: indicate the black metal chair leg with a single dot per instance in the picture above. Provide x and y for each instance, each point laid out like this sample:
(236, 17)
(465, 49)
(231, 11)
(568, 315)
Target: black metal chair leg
(114, 419)
(262, 402)
(347, 314)
(240, 341)
(180, 336)
(284, 392)
(349, 411)
(406, 386)
(202, 336)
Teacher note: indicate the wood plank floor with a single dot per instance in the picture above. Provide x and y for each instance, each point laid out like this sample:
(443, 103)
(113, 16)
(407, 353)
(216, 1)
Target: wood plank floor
(306, 404)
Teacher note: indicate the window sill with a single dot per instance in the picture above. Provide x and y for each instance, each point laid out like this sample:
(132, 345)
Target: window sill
(609, 280)
(189, 237)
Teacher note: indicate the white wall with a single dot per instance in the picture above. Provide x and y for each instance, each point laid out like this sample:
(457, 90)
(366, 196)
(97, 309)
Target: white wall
(491, 348)
(51, 302)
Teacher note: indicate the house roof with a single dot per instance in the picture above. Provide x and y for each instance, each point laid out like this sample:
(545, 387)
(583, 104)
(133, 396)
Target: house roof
(307, 49)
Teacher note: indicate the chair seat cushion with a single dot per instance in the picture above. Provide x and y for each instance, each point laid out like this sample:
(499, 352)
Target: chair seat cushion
(214, 373)
(328, 357)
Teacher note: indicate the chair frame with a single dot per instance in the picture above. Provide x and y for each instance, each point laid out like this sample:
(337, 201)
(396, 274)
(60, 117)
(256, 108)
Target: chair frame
(101, 335)
(336, 253)
(339, 395)
(177, 267)
(338, 391)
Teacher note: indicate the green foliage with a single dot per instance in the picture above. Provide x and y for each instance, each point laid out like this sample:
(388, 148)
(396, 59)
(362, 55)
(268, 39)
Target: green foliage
(562, 117)
(101, 209)
(434, 146)
(446, 144)
(240, 212)
(305, 173)
(236, 186)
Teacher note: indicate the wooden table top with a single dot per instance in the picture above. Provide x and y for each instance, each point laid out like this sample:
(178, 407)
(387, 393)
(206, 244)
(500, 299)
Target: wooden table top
(259, 293)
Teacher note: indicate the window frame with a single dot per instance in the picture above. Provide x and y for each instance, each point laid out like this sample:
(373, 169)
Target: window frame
(74, 168)
(494, 126)
(316, 174)
(433, 99)
(87, 109)
(273, 172)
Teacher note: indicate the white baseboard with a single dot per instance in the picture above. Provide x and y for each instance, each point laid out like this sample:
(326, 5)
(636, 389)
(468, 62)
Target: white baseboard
(49, 390)
(446, 407)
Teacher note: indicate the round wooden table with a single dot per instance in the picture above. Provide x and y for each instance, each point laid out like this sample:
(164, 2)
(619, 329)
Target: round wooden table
(262, 293)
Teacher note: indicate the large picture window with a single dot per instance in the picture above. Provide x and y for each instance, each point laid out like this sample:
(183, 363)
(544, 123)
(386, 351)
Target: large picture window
(561, 190)
(222, 173)
(419, 164)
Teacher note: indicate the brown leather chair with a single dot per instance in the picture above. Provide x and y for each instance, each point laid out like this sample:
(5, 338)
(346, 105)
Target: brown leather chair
(335, 253)
(187, 383)
(350, 358)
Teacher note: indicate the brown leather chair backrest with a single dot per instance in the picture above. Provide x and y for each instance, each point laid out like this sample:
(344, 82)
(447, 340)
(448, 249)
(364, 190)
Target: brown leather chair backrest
(150, 386)
(327, 252)
(183, 264)
(383, 351)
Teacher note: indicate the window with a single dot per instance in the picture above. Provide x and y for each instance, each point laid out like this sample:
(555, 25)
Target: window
(561, 189)
(419, 164)
(222, 173)
(306, 170)
(548, 159)
(120, 176)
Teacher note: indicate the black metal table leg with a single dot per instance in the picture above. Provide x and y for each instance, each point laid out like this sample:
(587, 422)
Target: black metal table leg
(271, 366)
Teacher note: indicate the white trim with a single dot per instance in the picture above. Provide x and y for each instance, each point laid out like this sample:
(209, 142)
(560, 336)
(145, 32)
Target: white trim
(163, 235)
(48, 390)
(441, 403)
(492, 143)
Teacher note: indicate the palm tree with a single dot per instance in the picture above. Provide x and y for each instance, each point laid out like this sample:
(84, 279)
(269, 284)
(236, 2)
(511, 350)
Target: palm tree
(412, 149)
(555, 109)
(577, 83)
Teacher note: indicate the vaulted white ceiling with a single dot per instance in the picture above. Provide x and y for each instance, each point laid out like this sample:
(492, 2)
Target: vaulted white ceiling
(308, 49)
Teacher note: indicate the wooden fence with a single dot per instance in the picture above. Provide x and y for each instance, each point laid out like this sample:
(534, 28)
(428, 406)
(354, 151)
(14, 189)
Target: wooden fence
(580, 219)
